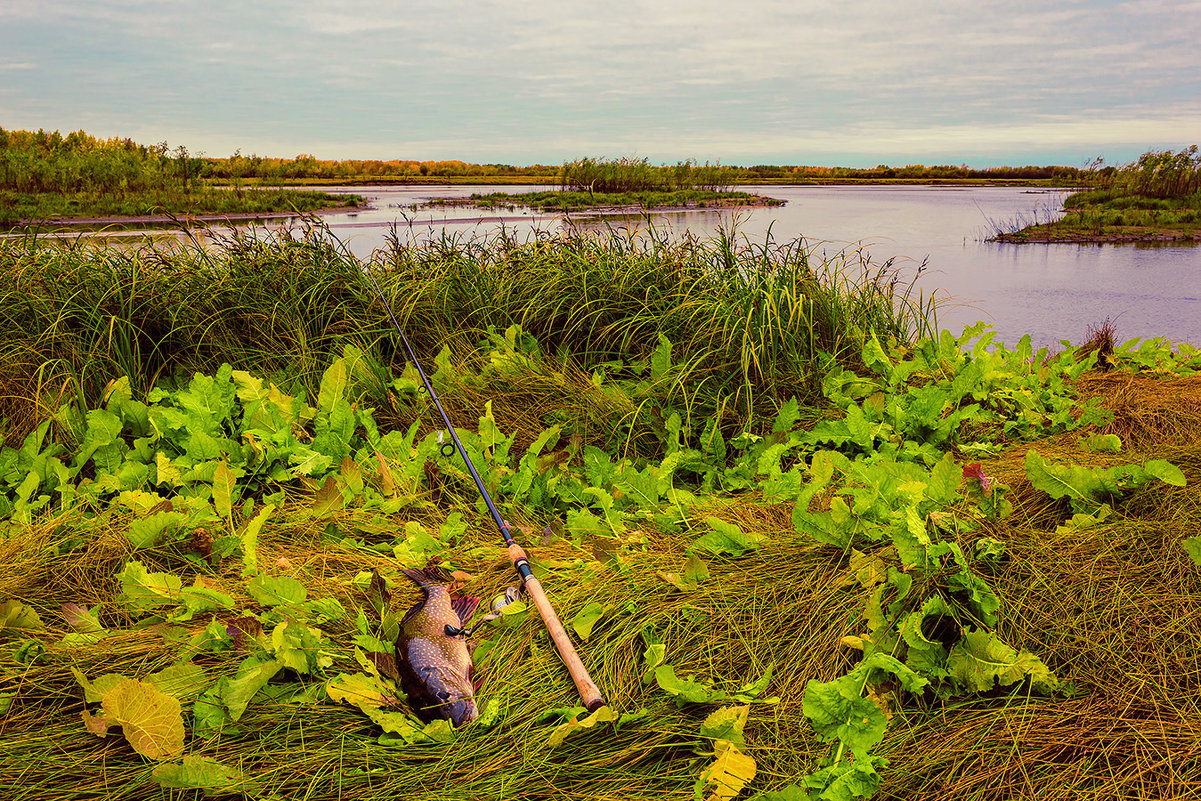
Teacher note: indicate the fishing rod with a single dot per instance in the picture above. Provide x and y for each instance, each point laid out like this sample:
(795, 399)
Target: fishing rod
(590, 694)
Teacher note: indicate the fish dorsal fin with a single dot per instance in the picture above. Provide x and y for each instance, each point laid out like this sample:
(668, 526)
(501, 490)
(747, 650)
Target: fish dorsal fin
(464, 606)
(428, 575)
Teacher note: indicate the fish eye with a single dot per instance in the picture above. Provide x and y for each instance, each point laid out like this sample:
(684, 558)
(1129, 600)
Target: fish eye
(443, 695)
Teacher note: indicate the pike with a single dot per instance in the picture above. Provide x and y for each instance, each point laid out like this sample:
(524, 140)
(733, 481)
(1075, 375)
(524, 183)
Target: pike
(590, 694)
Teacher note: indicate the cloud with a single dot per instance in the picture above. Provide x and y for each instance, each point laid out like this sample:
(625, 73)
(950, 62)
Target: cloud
(540, 80)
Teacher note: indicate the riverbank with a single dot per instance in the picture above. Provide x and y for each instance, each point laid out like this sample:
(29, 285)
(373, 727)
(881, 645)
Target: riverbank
(50, 209)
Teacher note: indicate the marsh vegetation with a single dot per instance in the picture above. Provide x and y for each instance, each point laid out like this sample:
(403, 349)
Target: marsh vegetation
(49, 176)
(1156, 198)
(805, 540)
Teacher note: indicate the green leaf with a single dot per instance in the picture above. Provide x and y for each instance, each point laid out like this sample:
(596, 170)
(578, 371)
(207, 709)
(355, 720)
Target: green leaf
(726, 538)
(253, 675)
(685, 691)
(752, 690)
(79, 618)
(661, 358)
(979, 661)
(838, 710)
(224, 483)
(148, 531)
(846, 780)
(360, 690)
(272, 591)
(250, 539)
(198, 598)
(586, 618)
(1192, 547)
(184, 681)
(16, 616)
(727, 723)
(93, 691)
(300, 647)
(334, 385)
(1102, 443)
(418, 545)
(1083, 486)
(197, 772)
(1166, 472)
(142, 590)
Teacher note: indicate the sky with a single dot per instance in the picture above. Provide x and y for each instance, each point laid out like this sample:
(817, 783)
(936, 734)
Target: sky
(818, 82)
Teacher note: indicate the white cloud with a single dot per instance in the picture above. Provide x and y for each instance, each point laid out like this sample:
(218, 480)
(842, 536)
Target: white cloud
(700, 78)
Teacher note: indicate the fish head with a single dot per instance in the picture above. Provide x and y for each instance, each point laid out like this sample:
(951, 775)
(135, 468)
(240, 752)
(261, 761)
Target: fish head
(449, 695)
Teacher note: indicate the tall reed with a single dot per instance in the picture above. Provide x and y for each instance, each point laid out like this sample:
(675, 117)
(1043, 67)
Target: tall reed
(748, 323)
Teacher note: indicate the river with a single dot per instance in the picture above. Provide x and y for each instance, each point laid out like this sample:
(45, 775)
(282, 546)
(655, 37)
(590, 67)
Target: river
(1052, 292)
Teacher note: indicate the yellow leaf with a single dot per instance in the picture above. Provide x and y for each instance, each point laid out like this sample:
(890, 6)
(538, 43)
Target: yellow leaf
(149, 717)
(603, 715)
(730, 771)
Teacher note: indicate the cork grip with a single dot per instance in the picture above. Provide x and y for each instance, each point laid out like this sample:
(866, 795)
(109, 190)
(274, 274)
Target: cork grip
(590, 694)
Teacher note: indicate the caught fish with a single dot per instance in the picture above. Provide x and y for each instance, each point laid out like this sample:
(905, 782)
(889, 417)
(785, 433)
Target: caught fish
(431, 651)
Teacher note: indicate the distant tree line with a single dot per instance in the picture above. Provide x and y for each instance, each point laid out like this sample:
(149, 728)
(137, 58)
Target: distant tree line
(44, 162)
(1156, 174)
(41, 163)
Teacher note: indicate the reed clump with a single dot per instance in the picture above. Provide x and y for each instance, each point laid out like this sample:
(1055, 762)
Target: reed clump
(746, 324)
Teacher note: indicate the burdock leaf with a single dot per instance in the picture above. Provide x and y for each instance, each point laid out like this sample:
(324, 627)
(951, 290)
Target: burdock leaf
(197, 772)
(979, 661)
(142, 590)
(150, 718)
(730, 771)
(16, 616)
(272, 591)
(183, 681)
(586, 618)
(727, 723)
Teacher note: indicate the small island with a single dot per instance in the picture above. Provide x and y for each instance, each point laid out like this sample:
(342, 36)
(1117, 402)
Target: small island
(626, 184)
(1155, 199)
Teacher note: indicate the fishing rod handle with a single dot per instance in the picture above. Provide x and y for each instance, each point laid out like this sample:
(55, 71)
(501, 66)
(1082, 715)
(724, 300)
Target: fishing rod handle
(590, 694)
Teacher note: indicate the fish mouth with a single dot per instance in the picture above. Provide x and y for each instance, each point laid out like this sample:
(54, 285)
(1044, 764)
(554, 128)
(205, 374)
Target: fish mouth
(462, 710)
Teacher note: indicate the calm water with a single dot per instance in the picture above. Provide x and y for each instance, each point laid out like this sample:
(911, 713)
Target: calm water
(1052, 292)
